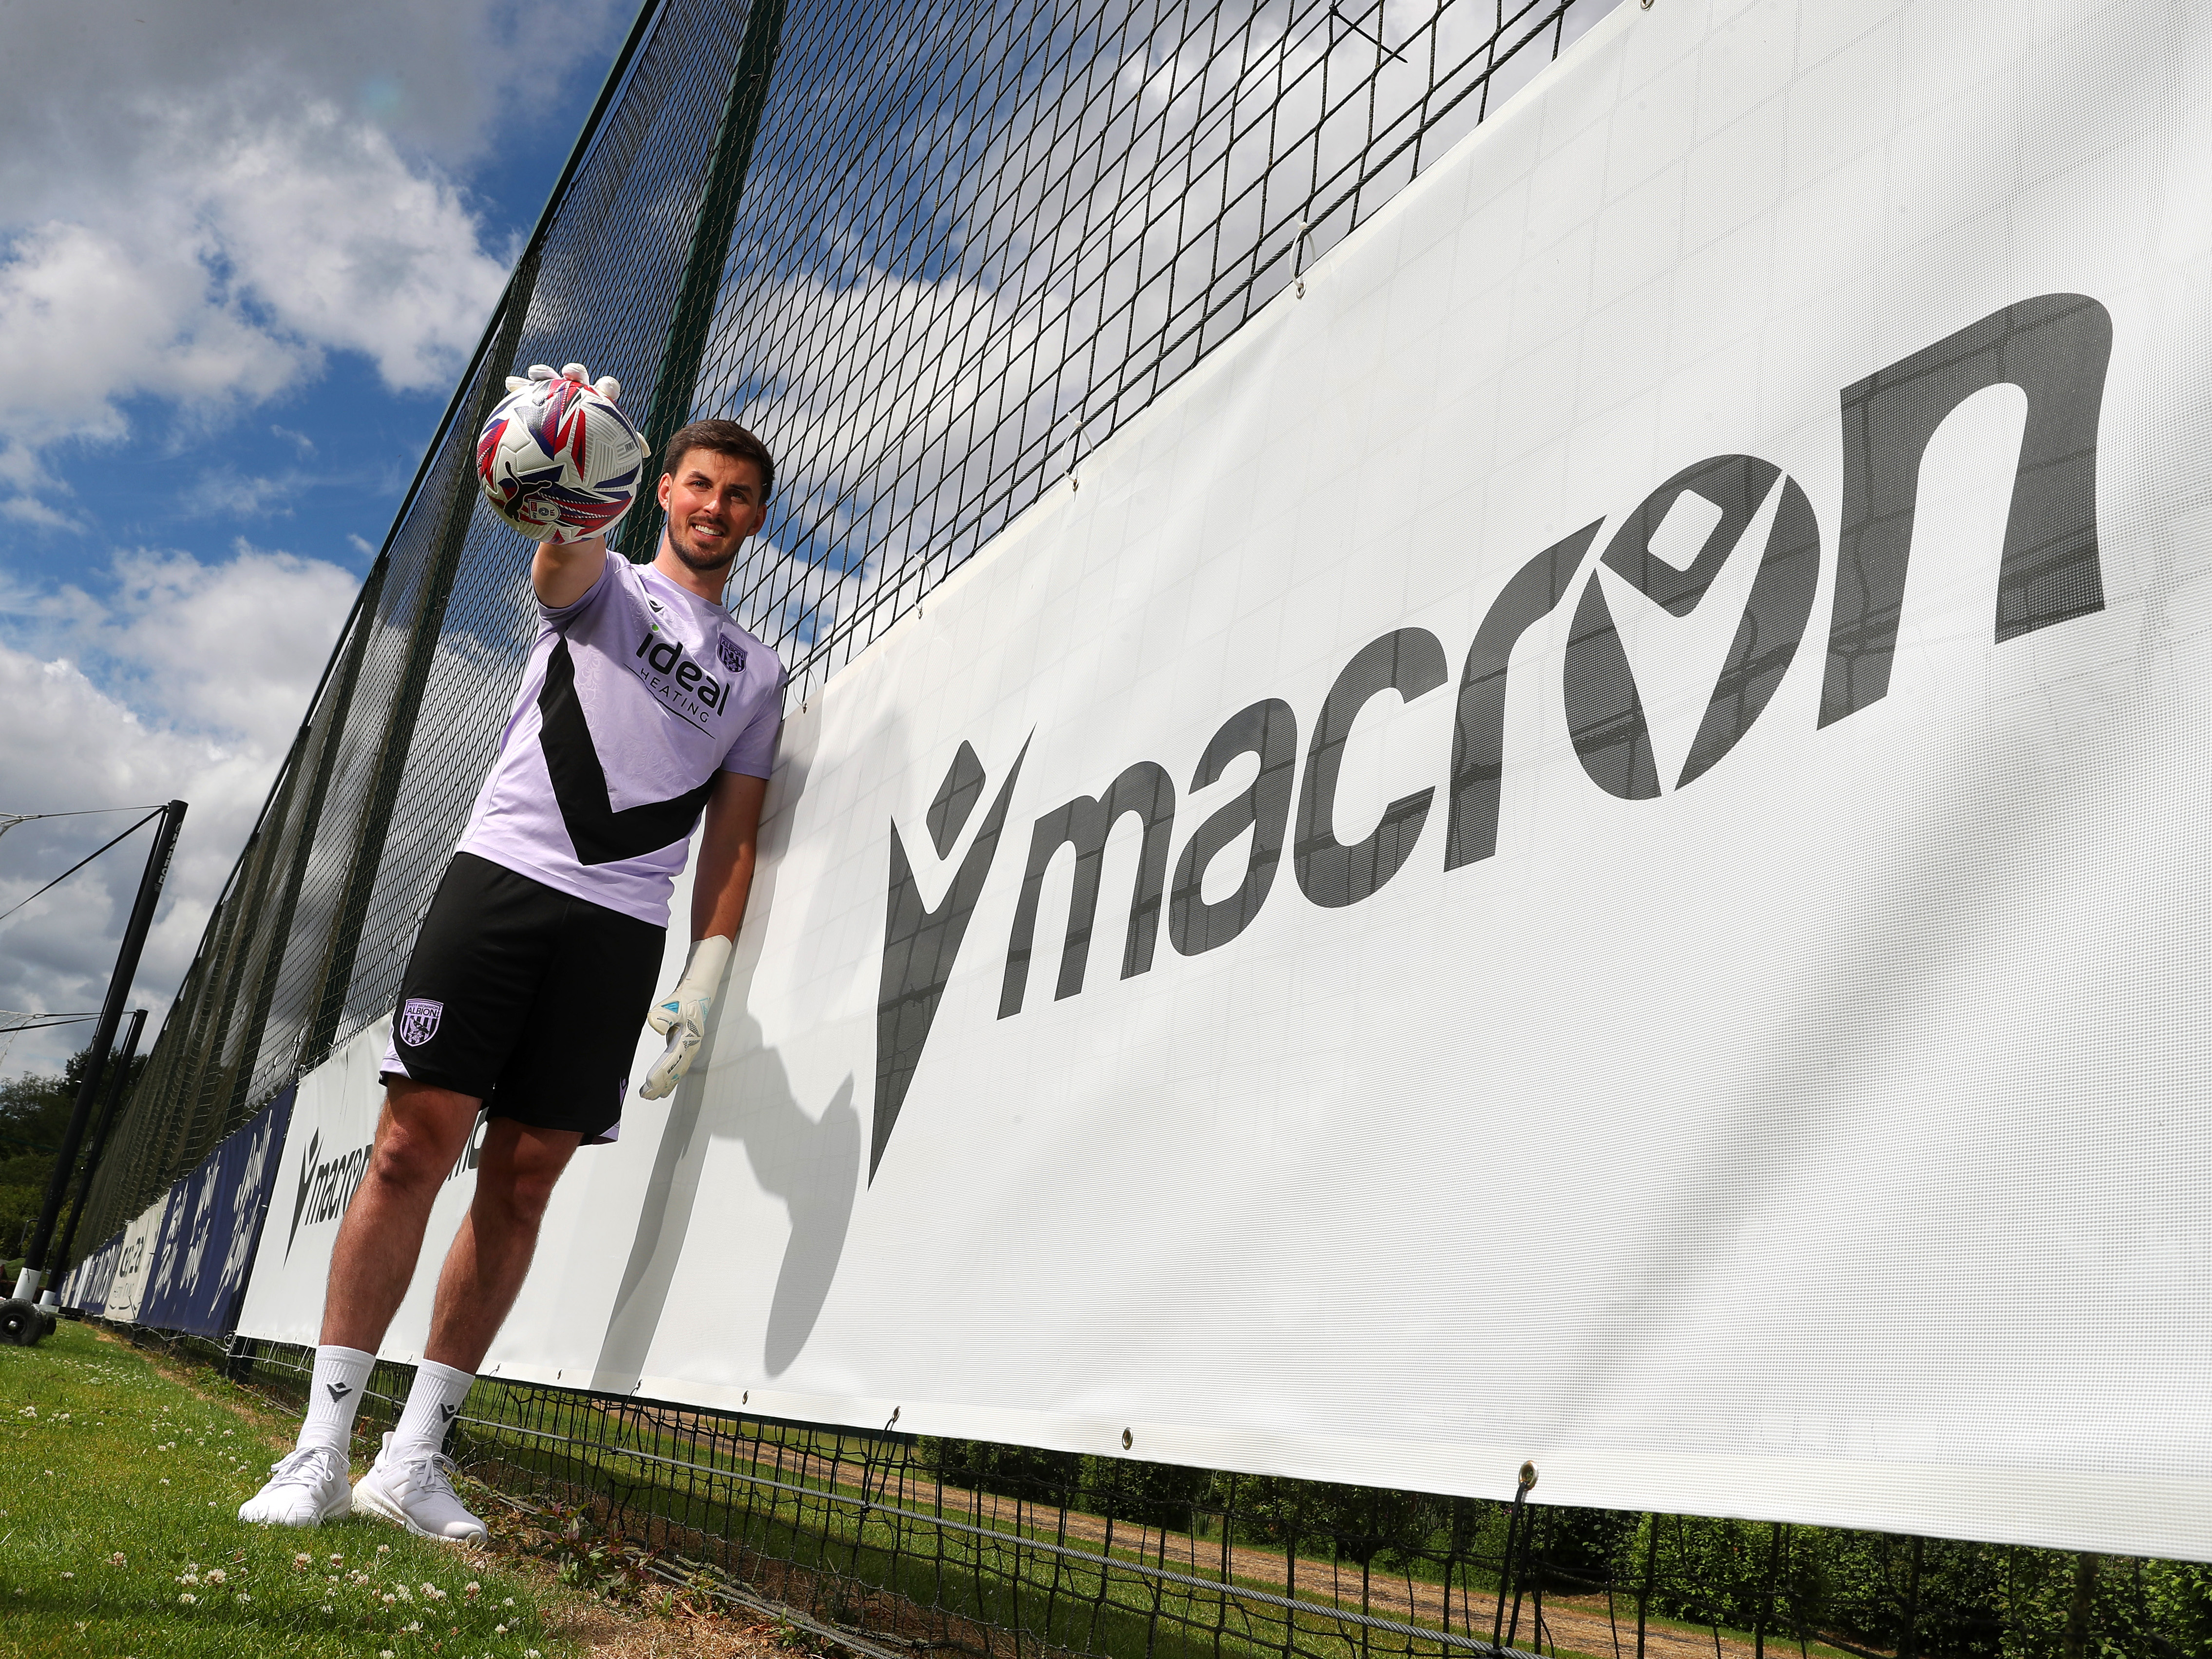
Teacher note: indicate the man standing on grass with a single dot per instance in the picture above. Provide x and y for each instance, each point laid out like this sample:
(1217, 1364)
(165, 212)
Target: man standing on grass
(643, 703)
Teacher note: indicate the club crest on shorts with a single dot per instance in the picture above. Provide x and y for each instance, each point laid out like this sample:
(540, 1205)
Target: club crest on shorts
(418, 1021)
(732, 658)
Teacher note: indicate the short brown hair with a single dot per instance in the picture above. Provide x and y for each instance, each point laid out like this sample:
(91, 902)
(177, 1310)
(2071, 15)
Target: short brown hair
(724, 438)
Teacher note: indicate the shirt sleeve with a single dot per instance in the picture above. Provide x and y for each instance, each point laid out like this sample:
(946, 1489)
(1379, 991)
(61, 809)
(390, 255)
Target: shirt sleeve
(753, 752)
(601, 585)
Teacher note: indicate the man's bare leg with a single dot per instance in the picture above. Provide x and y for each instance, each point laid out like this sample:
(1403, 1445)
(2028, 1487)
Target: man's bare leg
(419, 1135)
(483, 1272)
(490, 1254)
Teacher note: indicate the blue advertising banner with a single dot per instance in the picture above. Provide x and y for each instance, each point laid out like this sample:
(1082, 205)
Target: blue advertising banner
(207, 1240)
(87, 1290)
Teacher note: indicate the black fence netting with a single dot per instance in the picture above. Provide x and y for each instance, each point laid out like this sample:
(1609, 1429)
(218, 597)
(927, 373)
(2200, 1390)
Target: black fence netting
(885, 1543)
(934, 253)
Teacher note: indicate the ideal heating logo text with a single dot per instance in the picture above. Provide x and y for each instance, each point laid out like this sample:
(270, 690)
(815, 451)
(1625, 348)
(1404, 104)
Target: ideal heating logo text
(668, 671)
(1671, 547)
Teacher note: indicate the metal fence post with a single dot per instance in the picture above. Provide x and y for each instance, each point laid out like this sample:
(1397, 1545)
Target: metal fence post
(676, 379)
(118, 1079)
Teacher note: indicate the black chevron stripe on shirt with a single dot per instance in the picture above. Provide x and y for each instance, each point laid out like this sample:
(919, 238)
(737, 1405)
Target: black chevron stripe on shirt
(599, 834)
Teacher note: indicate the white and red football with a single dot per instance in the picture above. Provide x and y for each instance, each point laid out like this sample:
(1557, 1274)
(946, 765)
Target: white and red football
(557, 460)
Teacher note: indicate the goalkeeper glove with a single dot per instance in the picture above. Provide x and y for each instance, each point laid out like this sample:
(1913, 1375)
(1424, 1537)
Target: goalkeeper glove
(682, 1015)
(606, 386)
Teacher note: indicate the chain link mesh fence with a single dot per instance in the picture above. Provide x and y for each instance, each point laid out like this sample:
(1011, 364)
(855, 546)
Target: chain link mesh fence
(934, 253)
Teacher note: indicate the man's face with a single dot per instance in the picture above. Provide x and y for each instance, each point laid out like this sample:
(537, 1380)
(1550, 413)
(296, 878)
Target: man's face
(714, 502)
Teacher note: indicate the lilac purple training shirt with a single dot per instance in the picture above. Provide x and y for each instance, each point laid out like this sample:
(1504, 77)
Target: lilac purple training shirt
(635, 697)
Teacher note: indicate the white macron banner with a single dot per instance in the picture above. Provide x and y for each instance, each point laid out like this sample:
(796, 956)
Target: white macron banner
(1589, 845)
(133, 1261)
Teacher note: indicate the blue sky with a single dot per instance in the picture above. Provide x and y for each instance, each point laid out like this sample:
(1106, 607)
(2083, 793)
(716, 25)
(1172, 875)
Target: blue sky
(244, 252)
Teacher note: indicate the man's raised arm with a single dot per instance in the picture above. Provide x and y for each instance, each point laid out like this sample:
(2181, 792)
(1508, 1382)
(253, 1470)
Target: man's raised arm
(563, 571)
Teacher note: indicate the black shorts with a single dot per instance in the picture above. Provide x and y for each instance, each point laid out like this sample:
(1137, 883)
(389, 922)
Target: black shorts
(529, 999)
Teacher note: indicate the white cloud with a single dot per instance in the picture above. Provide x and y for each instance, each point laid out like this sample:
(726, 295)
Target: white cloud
(201, 204)
(225, 492)
(28, 510)
(189, 685)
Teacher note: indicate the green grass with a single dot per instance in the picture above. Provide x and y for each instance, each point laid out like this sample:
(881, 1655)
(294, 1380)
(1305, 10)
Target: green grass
(119, 1489)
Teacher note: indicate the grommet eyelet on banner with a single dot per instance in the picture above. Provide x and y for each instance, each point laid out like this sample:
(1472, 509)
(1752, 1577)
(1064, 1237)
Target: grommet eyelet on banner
(1127, 1440)
(1528, 1470)
(1302, 288)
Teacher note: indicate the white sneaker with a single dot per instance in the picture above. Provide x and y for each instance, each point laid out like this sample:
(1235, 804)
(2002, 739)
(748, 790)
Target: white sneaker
(417, 1492)
(306, 1488)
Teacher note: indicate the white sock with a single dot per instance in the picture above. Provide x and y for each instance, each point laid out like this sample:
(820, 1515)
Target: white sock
(432, 1405)
(334, 1396)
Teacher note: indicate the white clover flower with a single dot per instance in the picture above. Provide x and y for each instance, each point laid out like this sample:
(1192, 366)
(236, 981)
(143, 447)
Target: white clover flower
(385, 1653)
(243, 1596)
(508, 1603)
(68, 1575)
(230, 1431)
(389, 1598)
(499, 1629)
(326, 1606)
(189, 1599)
(216, 1575)
(384, 1549)
(532, 1653)
(28, 1411)
(472, 1588)
(114, 1560)
(165, 1479)
(405, 1595)
(63, 1417)
(338, 1560)
(412, 1625)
